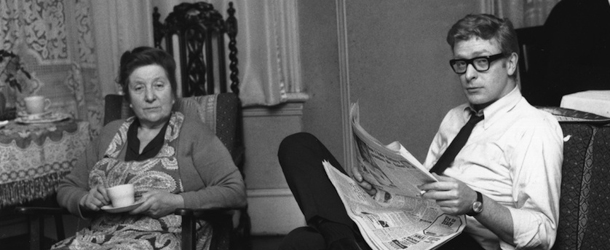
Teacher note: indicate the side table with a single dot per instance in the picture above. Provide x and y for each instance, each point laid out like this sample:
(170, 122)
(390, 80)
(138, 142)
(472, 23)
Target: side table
(34, 157)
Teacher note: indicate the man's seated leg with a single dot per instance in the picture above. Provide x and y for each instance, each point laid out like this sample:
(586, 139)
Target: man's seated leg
(308, 238)
(301, 157)
(462, 241)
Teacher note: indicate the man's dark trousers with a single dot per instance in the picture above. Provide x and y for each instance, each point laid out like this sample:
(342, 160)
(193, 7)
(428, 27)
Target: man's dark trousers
(300, 156)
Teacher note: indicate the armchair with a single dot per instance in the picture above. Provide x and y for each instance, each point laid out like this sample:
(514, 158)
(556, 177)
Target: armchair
(583, 213)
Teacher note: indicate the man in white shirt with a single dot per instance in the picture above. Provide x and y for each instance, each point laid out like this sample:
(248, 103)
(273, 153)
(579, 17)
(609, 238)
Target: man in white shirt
(512, 158)
(506, 177)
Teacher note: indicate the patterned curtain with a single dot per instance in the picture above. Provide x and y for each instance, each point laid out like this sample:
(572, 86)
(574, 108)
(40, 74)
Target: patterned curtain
(523, 13)
(55, 42)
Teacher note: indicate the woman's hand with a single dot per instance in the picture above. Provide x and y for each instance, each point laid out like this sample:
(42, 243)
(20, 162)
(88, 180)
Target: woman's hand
(96, 198)
(157, 203)
(453, 196)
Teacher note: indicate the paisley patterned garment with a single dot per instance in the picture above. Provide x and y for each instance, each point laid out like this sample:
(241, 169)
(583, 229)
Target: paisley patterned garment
(125, 231)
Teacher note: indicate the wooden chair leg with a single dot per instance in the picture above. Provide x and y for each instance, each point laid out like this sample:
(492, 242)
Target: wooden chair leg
(59, 227)
(36, 231)
(188, 229)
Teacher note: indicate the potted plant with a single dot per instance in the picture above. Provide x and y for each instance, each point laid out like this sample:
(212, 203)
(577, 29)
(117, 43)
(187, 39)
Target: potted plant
(13, 76)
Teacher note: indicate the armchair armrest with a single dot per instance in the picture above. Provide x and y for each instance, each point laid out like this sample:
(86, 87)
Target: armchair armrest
(41, 210)
(220, 219)
(212, 214)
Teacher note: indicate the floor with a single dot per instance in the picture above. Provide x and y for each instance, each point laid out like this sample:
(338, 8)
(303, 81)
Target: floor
(258, 242)
(266, 242)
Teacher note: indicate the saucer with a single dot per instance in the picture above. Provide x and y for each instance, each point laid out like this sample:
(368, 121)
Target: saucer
(111, 209)
(43, 118)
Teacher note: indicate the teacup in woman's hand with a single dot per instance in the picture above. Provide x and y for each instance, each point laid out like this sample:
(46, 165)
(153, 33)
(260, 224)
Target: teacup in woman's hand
(121, 195)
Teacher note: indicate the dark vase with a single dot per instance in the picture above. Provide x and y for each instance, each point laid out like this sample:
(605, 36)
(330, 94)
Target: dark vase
(7, 111)
(2, 104)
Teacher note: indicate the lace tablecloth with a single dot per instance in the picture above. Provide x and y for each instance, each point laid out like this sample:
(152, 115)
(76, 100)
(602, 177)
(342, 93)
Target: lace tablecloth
(34, 157)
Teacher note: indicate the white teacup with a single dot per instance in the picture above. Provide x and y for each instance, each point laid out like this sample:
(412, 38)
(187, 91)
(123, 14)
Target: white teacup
(36, 104)
(121, 195)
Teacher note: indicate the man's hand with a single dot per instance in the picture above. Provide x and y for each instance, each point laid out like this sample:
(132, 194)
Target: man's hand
(453, 196)
(157, 203)
(96, 198)
(357, 176)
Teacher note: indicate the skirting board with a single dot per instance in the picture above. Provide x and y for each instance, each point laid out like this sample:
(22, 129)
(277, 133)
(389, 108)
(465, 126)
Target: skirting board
(273, 212)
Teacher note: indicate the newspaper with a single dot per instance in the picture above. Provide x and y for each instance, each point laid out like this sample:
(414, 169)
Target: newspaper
(389, 168)
(397, 217)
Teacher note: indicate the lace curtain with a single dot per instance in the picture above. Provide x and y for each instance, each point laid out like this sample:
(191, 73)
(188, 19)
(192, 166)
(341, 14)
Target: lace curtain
(523, 13)
(55, 42)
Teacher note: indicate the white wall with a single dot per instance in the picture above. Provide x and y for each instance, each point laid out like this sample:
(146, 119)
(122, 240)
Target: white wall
(399, 70)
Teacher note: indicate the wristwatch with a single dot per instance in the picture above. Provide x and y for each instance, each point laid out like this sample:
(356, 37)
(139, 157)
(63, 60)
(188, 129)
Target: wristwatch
(477, 206)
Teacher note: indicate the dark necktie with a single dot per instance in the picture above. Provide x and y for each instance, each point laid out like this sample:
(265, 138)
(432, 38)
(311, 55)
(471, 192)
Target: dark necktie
(456, 145)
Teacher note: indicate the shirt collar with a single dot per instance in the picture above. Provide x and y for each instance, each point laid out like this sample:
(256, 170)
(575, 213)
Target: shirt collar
(497, 109)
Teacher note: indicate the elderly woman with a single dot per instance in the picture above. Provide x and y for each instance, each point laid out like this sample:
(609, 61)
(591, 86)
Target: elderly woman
(172, 160)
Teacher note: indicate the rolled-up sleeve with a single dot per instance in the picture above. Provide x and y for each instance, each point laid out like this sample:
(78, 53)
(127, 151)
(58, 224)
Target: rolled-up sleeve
(536, 186)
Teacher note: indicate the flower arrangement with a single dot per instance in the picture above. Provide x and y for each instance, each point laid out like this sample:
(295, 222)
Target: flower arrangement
(11, 70)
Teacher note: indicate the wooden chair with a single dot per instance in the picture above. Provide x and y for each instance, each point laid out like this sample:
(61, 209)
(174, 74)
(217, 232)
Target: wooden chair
(194, 33)
(203, 83)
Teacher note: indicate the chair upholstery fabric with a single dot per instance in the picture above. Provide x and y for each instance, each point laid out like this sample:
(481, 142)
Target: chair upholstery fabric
(584, 216)
(221, 113)
(597, 224)
(573, 197)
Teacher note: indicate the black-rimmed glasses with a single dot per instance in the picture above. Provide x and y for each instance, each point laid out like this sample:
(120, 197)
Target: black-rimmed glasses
(480, 64)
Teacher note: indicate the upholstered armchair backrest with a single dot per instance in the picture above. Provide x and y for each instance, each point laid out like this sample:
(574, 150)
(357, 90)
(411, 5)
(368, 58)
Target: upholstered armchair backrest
(584, 213)
(221, 113)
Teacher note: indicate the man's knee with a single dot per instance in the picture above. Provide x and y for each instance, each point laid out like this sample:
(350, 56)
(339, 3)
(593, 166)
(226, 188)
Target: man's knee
(296, 140)
(296, 145)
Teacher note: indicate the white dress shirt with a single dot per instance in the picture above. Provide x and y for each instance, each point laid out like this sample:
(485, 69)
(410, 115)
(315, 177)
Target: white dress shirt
(514, 157)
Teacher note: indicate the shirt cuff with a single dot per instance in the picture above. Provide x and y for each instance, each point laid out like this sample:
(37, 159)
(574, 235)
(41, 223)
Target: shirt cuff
(531, 229)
